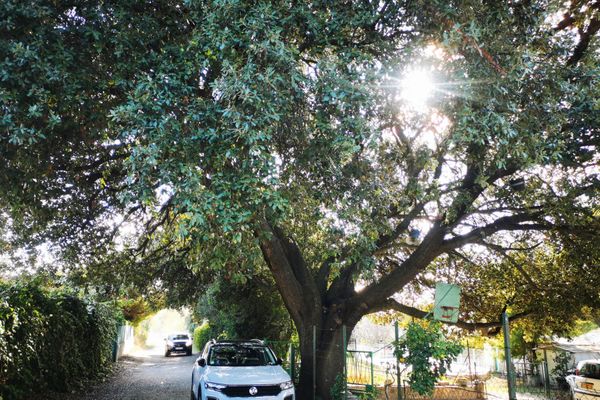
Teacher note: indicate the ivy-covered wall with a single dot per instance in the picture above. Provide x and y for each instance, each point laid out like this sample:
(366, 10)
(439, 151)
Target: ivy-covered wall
(51, 339)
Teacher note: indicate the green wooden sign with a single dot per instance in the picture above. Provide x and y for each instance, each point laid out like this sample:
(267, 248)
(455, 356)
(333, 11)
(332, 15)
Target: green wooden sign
(447, 302)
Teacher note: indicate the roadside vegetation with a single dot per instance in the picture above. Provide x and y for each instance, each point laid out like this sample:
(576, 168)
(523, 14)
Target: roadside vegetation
(52, 339)
(292, 167)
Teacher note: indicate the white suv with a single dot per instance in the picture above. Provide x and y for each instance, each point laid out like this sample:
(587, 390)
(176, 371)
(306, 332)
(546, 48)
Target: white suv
(585, 384)
(178, 343)
(239, 369)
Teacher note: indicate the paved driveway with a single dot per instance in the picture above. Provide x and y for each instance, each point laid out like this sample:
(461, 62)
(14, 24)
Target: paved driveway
(145, 376)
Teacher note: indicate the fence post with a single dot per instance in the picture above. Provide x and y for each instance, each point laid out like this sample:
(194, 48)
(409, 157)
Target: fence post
(345, 359)
(546, 375)
(510, 373)
(397, 336)
(292, 361)
(372, 371)
(314, 362)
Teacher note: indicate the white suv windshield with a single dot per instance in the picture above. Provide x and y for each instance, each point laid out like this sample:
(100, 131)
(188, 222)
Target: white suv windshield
(240, 355)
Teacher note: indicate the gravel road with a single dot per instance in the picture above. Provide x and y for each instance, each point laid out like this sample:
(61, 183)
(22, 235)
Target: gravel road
(145, 376)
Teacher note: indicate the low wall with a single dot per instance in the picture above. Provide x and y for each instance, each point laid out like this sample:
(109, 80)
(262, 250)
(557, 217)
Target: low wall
(439, 393)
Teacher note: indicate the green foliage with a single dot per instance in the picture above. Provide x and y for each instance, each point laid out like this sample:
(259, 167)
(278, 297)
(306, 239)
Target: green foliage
(563, 363)
(287, 114)
(520, 344)
(135, 310)
(338, 389)
(584, 326)
(370, 393)
(51, 339)
(161, 115)
(222, 129)
(425, 349)
(554, 309)
(252, 309)
(202, 334)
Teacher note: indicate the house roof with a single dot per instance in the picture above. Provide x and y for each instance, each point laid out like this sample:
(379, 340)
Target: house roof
(571, 348)
(586, 343)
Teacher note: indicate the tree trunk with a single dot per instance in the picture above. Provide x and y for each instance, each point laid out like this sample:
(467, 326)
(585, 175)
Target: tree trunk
(326, 357)
(326, 311)
(305, 388)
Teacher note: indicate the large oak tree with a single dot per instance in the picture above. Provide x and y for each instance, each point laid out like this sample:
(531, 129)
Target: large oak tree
(235, 136)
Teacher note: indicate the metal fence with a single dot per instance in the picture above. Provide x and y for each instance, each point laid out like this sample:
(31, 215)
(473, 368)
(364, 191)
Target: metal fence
(470, 379)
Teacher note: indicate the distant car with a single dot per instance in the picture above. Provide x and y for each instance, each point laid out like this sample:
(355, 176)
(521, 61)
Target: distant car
(236, 369)
(178, 343)
(585, 383)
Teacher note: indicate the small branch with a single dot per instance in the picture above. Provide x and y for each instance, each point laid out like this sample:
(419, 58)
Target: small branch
(482, 52)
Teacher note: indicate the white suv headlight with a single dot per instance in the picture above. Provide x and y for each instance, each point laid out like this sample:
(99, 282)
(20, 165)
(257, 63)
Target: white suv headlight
(188, 342)
(214, 386)
(286, 385)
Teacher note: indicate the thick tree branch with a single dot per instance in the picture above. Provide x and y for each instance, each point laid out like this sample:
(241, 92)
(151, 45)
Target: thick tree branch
(380, 290)
(513, 222)
(585, 37)
(385, 240)
(289, 271)
(392, 304)
(575, 17)
(344, 285)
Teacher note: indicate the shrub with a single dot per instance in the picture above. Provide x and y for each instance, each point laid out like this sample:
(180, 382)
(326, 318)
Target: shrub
(202, 334)
(51, 339)
(563, 362)
(425, 349)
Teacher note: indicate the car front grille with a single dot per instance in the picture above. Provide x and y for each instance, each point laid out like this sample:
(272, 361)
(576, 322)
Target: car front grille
(244, 391)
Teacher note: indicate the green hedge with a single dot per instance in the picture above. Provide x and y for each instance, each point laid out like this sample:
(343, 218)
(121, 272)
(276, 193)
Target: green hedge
(202, 334)
(51, 339)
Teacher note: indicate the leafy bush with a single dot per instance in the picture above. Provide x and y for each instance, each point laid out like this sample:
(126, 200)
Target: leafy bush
(202, 334)
(51, 339)
(370, 393)
(225, 303)
(563, 362)
(428, 352)
(338, 389)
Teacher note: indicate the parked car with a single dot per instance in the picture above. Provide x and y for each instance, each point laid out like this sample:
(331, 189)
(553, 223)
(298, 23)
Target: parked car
(585, 383)
(178, 343)
(233, 369)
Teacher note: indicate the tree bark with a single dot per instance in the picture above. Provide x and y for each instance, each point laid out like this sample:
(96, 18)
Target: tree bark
(312, 310)
(326, 355)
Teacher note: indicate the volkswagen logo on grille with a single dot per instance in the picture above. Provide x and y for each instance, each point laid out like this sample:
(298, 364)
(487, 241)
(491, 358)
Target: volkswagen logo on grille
(253, 390)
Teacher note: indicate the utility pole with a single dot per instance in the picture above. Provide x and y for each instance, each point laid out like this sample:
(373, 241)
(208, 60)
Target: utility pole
(398, 376)
(510, 373)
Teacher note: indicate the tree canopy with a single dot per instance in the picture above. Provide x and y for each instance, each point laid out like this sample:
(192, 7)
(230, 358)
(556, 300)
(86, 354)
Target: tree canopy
(236, 136)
